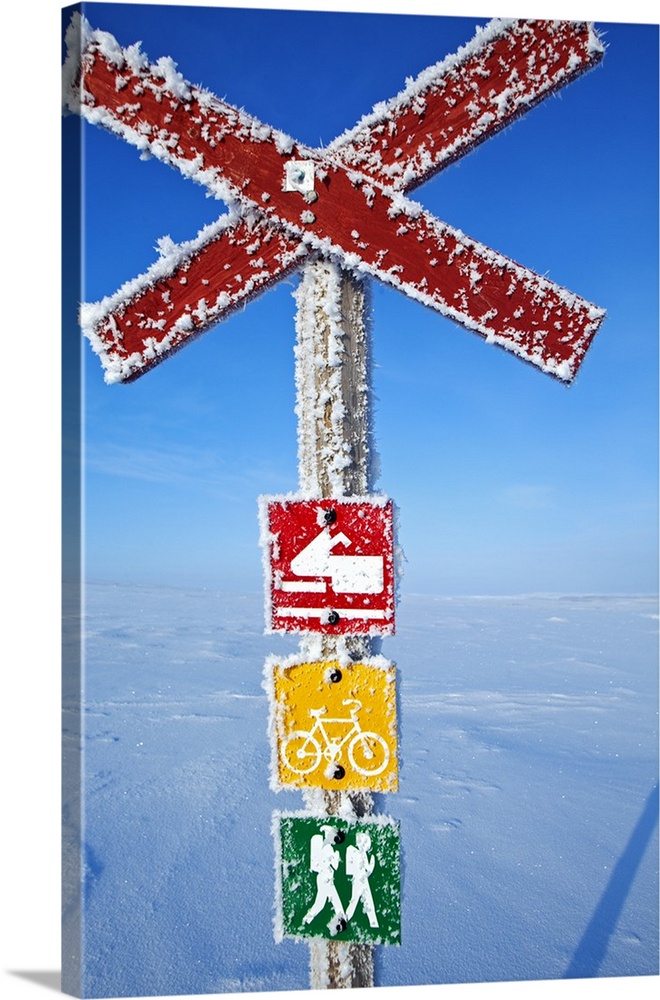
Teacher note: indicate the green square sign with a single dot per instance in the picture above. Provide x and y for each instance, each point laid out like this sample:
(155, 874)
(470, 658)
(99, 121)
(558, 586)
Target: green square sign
(339, 879)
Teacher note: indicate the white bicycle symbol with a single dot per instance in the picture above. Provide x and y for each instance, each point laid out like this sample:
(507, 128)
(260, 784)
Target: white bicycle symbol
(368, 753)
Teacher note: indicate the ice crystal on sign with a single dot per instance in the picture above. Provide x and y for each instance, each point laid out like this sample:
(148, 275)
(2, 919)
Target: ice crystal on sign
(165, 246)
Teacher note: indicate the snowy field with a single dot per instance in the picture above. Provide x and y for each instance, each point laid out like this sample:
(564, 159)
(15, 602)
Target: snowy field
(528, 795)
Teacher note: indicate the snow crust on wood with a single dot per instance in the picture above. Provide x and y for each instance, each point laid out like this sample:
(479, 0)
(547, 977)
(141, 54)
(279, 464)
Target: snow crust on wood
(97, 69)
(482, 290)
(360, 222)
(451, 107)
(156, 311)
(529, 312)
(333, 385)
(339, 965)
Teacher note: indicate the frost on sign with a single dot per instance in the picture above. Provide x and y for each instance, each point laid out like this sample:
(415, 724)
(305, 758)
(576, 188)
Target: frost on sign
(338, 879)
(346, 202)
(333, 725)
(329, 565)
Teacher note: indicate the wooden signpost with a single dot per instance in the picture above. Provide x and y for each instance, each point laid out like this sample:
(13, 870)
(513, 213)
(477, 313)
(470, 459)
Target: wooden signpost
(341, 215)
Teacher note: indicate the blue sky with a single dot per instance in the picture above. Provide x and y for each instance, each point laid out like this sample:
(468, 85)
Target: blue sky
(506, 481)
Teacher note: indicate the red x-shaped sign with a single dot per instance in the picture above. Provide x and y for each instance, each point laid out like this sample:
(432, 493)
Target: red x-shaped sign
(288, 201)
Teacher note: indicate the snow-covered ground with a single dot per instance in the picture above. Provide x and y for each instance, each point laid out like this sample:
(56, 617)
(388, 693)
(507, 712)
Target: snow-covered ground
(528, 795)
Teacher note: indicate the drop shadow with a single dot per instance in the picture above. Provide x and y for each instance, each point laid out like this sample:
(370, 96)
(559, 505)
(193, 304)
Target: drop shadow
(592, 948)
(49, 980)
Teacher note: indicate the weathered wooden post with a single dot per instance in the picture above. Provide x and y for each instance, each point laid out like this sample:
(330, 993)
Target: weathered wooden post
(334, 456)
(341, 213)
(335, 461)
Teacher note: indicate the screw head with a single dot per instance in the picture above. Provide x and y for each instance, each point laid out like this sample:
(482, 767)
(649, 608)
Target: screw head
(340, 837)
(333, 618)
(335, 676)
(339, 773)
(330, 516)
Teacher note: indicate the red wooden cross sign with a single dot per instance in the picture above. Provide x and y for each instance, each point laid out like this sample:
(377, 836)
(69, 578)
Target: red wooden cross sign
(289, 203)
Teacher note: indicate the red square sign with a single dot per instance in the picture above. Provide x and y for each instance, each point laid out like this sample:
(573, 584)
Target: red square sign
(329, 565)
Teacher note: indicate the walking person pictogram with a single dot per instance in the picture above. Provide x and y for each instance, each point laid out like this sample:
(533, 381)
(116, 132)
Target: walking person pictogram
(324, 860)
(359, 867)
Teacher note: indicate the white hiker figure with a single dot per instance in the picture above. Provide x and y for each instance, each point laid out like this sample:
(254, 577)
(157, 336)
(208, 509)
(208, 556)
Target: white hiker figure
(324, 860)
(359, 867)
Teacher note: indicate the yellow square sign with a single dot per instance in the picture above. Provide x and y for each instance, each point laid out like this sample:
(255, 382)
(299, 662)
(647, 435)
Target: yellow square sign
(333, 725)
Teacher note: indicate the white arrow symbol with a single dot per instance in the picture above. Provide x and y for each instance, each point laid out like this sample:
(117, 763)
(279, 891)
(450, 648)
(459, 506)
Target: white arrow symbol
(349, 574)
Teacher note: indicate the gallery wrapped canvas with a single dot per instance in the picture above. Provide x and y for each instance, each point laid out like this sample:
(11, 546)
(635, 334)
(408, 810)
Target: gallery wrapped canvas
(360, 613)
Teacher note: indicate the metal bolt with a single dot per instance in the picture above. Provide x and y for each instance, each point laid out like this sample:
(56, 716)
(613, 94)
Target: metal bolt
(339, 837)
(333, 618)
(339, 772)
(335, 676)
(330, 516)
